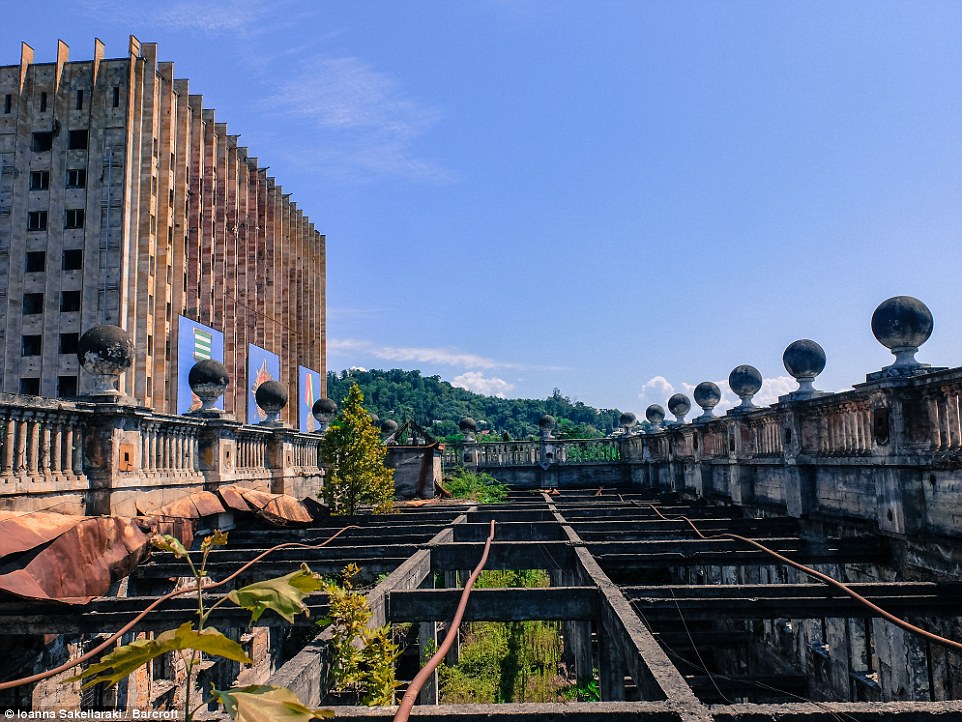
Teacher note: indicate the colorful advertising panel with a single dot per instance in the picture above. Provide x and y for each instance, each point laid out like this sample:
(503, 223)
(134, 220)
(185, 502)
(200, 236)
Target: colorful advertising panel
(262, 365)
(309, 384)
(195, 342)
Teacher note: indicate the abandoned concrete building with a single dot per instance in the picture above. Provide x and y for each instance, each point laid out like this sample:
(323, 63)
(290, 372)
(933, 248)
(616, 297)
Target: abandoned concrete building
(797, 562)
(124, 201)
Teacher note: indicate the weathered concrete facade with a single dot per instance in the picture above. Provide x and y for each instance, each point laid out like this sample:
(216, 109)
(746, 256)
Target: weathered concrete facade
(124, 201)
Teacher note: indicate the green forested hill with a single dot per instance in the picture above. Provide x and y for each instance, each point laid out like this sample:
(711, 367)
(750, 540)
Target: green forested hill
(438, 406)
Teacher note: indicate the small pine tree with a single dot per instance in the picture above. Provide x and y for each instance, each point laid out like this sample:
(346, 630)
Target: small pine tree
(354, 457)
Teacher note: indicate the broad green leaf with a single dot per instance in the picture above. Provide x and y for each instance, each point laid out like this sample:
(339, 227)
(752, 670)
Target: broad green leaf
(284, 594)
(264, 703)
(168, 543)
(124, 660)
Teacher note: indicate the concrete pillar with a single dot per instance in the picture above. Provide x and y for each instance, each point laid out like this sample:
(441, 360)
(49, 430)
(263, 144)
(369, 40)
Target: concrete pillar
(577, 648)
(611, 669)
(428, 644)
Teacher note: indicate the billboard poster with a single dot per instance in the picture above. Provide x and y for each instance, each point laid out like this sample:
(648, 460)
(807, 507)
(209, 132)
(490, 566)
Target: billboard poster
(309, 385)
(262, 365)
(195, 342)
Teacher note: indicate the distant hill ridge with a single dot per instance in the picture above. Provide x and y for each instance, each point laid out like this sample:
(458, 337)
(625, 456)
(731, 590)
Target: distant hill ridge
(438, 406)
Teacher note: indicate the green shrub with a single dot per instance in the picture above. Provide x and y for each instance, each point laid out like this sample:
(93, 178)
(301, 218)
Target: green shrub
(484, 488)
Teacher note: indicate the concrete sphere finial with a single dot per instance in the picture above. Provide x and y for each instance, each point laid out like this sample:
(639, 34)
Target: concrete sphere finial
(467, 424)
(679, 405)
(324, 409)
(902, 324)
(105, 352)
(375, 419)
(388, 427)
(655, 415)
(804, 360)
(627, 420)
(707, 395)
(208, 379)
(271, 396)
(745, 381)
(546, 422)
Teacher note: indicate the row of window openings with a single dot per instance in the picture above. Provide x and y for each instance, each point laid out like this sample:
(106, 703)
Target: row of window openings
(40, 179)
(36, 261)
(43, 140)
(78, 101)
(73, 218)
(33, 344)
(33, 303)
(66, 386)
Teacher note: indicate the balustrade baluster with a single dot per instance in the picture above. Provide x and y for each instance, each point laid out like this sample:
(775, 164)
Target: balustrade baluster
(34, 449)
(44, 460)
(58, 447)
(944, 432)
(954, 418)
(9, 439)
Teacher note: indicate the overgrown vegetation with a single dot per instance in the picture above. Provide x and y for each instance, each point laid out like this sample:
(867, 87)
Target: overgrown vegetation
(480, 487)
(362, 660)
(354, 460)
(511, 662)
(190, 641)
(437, 406)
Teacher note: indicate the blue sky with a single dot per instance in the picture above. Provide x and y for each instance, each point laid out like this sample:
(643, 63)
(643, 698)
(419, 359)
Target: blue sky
(618, 199)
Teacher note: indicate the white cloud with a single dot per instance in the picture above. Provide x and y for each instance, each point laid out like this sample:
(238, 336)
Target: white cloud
(371, 124)
(352, 347)
(480, 384)
(657, 387)
(210, 16)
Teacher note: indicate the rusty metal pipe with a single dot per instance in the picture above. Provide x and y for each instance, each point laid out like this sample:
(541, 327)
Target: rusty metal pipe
(407, 701)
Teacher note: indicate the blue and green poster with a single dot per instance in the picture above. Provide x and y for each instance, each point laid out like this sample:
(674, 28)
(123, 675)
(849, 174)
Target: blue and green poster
(195, 342)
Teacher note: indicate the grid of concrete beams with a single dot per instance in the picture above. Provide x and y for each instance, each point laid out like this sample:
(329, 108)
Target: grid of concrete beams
(641, 600)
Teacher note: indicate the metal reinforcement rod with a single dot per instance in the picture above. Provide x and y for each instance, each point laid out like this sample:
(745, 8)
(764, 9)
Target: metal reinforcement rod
(841, 586)
(411, 695)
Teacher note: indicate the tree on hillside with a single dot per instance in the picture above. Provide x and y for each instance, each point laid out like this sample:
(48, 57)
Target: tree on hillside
(354, 459)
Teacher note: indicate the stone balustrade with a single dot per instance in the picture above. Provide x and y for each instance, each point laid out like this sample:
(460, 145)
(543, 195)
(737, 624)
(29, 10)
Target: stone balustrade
(85, 457)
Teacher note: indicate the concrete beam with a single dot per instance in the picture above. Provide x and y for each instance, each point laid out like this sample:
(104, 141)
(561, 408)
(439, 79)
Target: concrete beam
(495, 605)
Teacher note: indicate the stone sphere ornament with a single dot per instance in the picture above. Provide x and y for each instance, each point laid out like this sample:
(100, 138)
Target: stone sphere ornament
(902, 324)
(707, 395)
(745, 381)
(324, 409)
(208, 379)
(804, 360)
(655, 415)
(105, 352)
(467, 424)
(546, 424)
(679, 405)
(271, 396)
(627, 421)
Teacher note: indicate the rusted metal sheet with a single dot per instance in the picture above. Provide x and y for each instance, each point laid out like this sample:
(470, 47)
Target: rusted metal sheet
(76, 559)
(192, 506)
(20, 531)
(232, 499)
(278, 508)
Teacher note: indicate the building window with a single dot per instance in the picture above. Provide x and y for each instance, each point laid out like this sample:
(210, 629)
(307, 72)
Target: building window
(116, 96)
(39, 180)
(77, 140)
(37, 221)
(66, 386)
(74, 218)
(70, 301)
(150, 345)
(7, 103)
(32, 345)
(69, 342)
(80, 100)
(77, 178)
(35, 262)
(43, 102)
(32, 303)
(42, 141)
(73, 259)
(30, 387)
